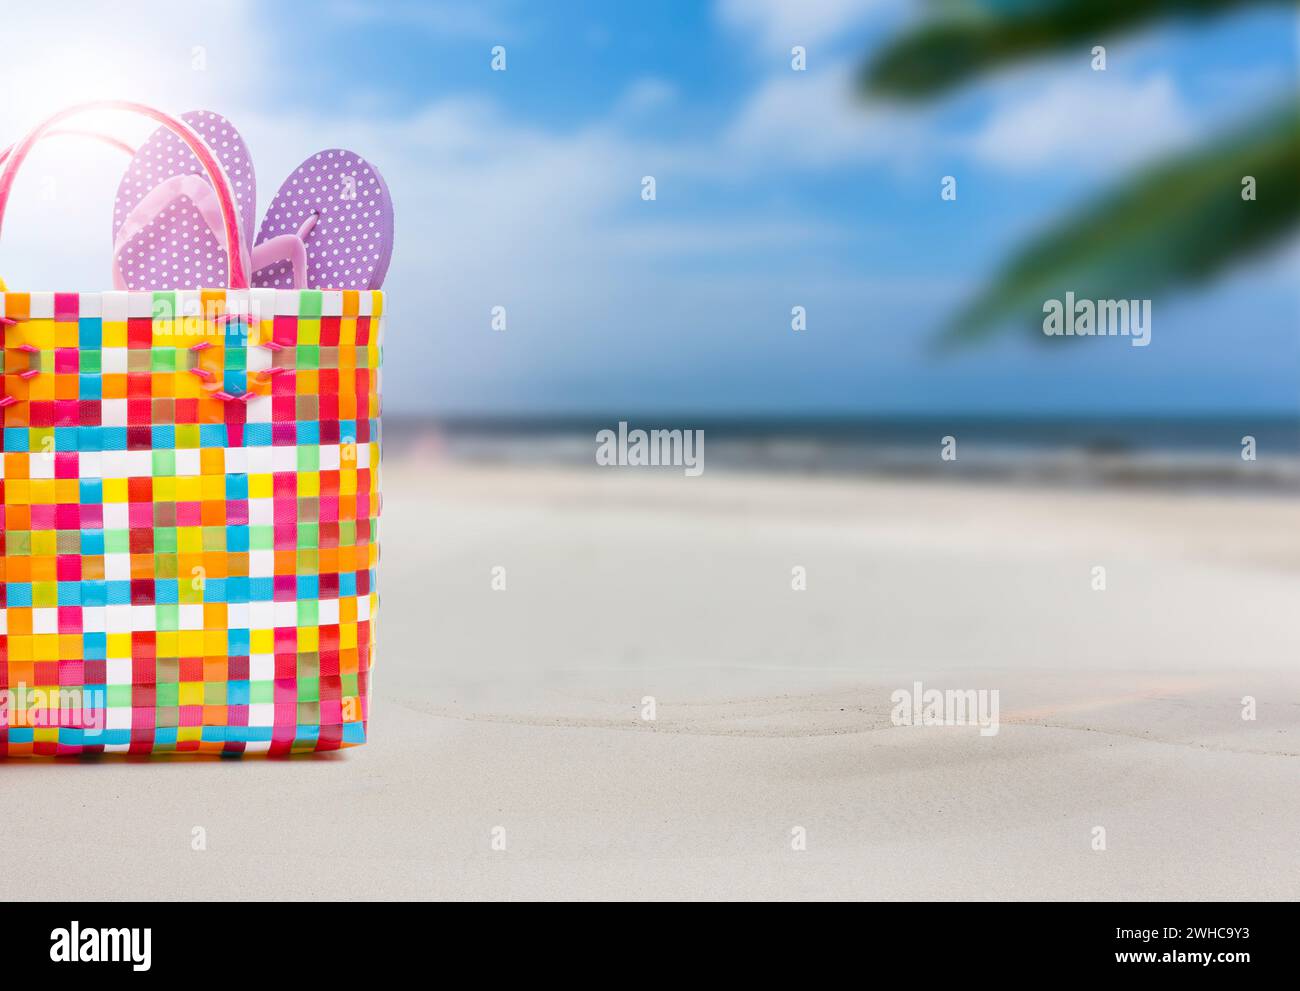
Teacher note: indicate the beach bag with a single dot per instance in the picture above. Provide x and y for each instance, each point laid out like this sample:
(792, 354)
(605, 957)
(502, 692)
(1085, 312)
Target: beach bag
(189, 490)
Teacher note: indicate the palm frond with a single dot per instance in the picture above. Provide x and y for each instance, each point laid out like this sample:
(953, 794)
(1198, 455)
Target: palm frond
(969, 37)
(1179, 222)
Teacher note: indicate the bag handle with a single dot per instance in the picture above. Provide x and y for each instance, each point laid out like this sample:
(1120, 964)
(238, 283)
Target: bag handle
(238, 274)
(75, 132)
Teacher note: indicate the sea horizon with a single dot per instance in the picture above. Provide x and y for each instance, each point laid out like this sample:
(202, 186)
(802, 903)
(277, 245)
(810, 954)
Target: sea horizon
(1197, 451)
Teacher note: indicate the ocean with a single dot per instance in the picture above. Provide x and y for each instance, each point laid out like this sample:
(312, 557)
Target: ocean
(1164, 451)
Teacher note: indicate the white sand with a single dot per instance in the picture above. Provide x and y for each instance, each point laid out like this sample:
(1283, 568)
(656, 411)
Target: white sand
(520, 709)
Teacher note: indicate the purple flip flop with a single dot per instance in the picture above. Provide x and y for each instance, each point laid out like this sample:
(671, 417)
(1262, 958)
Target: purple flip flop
(339, 206)
(177, 248)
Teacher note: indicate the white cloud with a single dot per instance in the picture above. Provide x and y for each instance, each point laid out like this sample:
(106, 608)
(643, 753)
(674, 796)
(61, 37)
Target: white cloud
(813, 119)
(778, 25)
(734, 236)
(647, 94)
(1088, 122)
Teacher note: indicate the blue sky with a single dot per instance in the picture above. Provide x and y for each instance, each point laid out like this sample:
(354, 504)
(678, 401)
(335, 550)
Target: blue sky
(774, 188)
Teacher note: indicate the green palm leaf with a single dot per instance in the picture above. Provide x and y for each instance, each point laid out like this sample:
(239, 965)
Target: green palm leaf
(974, 36)
(1178, 222)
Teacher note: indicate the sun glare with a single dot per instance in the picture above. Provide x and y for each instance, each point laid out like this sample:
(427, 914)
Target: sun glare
(51, 82)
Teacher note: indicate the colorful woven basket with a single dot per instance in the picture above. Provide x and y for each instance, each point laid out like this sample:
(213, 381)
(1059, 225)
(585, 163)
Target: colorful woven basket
(188, 544)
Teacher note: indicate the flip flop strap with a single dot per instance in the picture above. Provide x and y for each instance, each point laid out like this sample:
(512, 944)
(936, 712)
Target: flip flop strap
(196, 189)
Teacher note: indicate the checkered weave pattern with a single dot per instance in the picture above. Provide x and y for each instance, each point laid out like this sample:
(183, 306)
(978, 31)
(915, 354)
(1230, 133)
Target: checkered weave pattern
(188, 544)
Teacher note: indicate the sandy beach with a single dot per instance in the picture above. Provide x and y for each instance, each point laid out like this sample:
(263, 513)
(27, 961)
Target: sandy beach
(514, 718)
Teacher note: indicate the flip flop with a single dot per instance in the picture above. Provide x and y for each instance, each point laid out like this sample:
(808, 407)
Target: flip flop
(166, 224)
(332, 217)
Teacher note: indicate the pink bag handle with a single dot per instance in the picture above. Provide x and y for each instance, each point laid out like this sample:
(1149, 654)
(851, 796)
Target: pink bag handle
(72, 132)
(216, 174)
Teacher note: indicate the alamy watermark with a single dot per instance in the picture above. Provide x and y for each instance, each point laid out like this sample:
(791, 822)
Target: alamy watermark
(1099, 318)
(49, 708)
(651, 448)
(947, 707)
(90, 945)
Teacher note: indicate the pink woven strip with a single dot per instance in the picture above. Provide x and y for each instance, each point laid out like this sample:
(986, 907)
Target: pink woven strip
(27, 374)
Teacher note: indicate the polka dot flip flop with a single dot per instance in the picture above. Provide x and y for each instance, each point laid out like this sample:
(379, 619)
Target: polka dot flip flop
(167, 229)
(329, 227)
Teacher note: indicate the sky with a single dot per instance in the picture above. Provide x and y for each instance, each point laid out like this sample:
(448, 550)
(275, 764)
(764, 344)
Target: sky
(774, 188)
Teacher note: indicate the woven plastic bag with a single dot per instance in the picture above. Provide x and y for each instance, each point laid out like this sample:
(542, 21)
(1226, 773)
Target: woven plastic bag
(190, 495)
